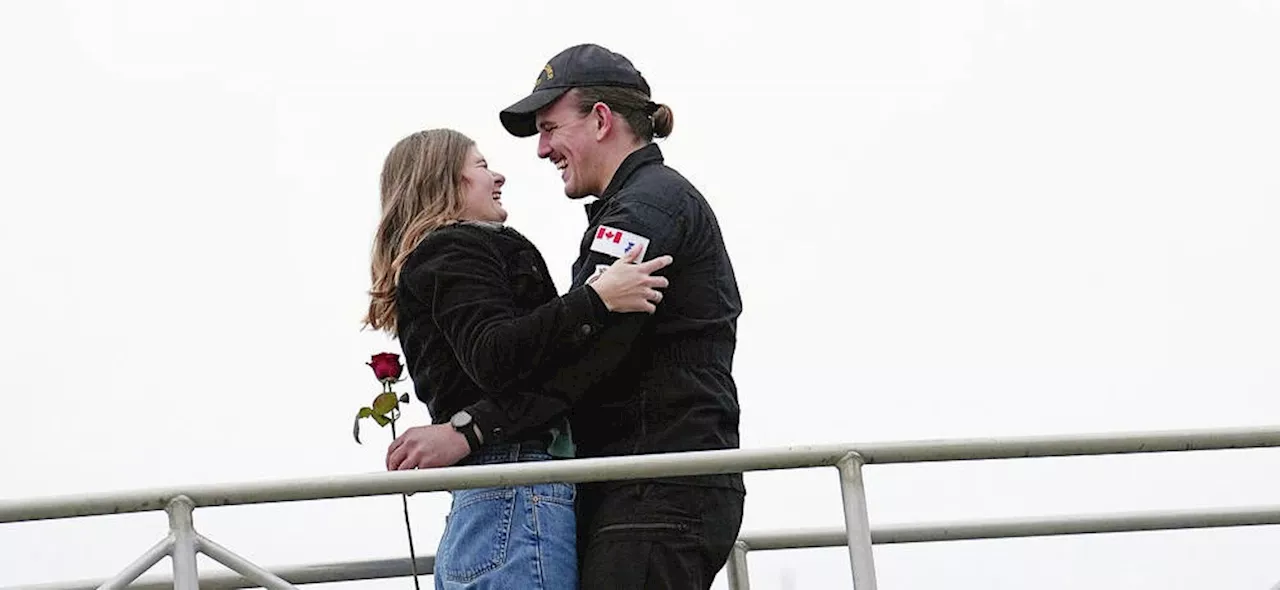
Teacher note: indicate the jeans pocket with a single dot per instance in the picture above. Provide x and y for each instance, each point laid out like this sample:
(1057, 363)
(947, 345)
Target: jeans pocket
(477, 535)
(561, 493)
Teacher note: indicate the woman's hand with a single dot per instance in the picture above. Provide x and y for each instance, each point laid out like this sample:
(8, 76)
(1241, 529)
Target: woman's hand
(423, 447)
(630, 287)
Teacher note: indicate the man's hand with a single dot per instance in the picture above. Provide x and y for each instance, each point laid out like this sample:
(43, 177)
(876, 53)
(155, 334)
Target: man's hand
(423, 447)
(628, 286)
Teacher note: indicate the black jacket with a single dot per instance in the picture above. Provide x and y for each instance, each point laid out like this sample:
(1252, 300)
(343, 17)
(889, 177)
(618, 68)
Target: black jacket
(664, 382)
(478, 316)
(637, 383)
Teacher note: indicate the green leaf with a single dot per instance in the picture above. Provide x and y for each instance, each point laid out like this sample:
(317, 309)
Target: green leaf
(381, 420)
(404, 398)
(384, 403)
(365, 412)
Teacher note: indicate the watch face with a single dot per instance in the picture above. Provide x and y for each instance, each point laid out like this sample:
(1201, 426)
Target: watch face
(460, 420)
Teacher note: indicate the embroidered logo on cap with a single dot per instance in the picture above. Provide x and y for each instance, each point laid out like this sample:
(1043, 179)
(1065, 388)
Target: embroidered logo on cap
(546, 71)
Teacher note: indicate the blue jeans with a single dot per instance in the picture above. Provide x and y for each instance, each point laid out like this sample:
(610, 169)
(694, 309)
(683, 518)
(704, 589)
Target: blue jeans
(520, 537)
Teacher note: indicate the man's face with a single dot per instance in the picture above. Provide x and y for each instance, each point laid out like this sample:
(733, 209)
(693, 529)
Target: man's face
(568, 139)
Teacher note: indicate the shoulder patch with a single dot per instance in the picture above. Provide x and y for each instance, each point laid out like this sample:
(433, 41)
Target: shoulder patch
(616, 243)
(600, 268)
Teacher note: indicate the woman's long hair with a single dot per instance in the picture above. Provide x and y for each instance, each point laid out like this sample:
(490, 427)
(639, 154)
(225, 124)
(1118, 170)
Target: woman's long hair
(422, 190)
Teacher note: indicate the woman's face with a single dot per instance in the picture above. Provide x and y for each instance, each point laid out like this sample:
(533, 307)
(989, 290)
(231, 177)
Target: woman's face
(482, 190)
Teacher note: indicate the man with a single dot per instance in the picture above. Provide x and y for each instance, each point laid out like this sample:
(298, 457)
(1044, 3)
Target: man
(652, 383)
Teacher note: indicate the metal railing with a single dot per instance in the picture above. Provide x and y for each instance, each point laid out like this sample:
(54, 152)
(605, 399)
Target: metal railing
(183, 542)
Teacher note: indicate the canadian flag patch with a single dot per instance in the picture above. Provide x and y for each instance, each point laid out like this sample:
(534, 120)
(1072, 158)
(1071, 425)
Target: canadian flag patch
(617, 243)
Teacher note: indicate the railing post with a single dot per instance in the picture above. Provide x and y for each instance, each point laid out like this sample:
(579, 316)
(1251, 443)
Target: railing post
(857, 526)
(185, 574)
(738, 576)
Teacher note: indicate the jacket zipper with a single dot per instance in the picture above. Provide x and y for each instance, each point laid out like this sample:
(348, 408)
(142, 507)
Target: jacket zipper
(642, 526)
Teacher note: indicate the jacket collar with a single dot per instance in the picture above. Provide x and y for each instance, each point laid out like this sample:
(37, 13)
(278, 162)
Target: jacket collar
(649, 154)
(489, 225)
(495, 227)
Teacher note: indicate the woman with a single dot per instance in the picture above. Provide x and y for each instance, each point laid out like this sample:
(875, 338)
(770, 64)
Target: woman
(479, 320)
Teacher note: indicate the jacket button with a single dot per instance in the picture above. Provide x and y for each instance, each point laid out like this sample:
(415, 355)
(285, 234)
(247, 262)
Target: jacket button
(585, 329)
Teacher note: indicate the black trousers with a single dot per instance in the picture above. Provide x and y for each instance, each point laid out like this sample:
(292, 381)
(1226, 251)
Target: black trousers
(651, 535)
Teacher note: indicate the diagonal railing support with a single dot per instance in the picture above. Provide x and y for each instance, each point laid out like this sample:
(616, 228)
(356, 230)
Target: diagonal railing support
(140, 565)
(242, 566)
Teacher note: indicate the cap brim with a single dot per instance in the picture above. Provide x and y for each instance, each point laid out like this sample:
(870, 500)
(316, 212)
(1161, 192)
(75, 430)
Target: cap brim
(520, 119)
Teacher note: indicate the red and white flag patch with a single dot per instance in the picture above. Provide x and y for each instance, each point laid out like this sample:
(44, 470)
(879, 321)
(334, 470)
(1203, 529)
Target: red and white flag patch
(617, 243)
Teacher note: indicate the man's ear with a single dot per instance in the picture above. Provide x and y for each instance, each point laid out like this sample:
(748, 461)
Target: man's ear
(604, 120)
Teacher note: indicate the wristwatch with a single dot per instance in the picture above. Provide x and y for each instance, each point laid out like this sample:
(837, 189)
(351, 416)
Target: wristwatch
(462, 423)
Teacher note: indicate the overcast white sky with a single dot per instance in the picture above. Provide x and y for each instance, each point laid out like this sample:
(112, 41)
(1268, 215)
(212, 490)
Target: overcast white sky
(949, 218)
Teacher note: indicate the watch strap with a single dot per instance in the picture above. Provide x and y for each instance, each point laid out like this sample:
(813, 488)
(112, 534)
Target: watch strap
(469, 433)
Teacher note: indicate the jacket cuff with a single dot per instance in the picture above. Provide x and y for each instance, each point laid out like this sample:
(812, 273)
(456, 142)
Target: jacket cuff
(491, 421)
(586, 310)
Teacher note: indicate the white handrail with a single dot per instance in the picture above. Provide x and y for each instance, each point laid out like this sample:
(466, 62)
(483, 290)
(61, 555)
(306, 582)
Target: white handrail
(634, 467)
(183, 541)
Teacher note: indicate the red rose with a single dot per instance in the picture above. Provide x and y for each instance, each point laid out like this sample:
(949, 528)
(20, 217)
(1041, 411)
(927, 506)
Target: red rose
(386, 366)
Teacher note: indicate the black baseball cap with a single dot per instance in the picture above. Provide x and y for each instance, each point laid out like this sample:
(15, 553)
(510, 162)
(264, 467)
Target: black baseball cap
(577, 66)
